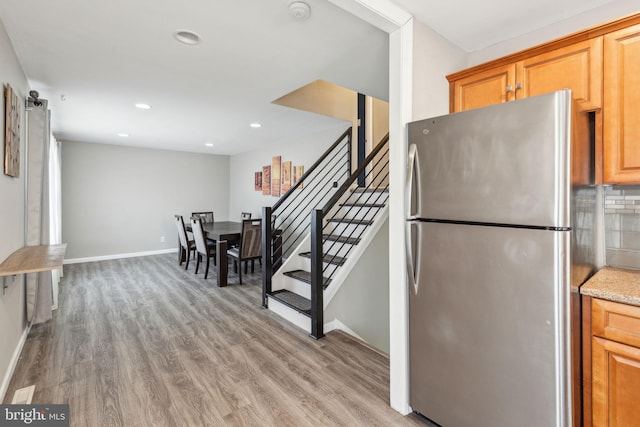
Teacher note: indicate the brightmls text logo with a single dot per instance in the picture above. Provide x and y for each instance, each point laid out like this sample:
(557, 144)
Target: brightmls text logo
(34, 415)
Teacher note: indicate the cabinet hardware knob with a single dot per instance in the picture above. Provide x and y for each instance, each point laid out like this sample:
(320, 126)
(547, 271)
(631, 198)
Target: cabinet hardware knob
(518, 86)
(509, 88)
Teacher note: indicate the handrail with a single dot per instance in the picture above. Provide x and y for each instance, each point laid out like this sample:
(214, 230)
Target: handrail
(305, 175)
(345, 186)
(318, 217)
(325, 179)
(285, 228)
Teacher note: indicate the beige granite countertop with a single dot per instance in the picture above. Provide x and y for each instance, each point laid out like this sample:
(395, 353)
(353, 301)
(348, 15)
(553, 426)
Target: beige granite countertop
(614, 284)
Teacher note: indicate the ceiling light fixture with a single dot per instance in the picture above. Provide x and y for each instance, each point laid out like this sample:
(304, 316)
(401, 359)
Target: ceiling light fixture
(123, 135)
(209, 144)
(255, 125)
(299, 10)
(187, 37)
(143, 106)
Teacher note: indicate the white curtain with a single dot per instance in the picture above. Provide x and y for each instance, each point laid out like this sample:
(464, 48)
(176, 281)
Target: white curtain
(39, 285)
(55, 209)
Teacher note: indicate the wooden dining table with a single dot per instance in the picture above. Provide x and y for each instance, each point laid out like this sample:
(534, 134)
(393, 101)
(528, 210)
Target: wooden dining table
(222, 232)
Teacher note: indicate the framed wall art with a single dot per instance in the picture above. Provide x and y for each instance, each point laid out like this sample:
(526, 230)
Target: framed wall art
(298, 171)
(286, 176)
(275, 176)
(11, 133)
(257, 182)
(266, 180)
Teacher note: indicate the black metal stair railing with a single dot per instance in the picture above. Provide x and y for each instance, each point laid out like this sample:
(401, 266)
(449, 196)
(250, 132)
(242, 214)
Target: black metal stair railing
(290, 215)
(351, 209)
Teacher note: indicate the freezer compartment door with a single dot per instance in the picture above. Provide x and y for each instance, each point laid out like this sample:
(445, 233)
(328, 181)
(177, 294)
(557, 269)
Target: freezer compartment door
(504, 164)
(489, 328)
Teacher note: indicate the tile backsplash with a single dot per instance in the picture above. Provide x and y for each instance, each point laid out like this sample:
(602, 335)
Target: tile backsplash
(622, 226)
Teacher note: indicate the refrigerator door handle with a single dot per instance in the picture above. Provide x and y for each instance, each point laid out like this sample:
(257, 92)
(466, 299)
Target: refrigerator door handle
(411, 273)
(411, 159)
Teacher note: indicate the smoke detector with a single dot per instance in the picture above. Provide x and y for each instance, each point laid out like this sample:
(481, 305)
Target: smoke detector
(299, 10)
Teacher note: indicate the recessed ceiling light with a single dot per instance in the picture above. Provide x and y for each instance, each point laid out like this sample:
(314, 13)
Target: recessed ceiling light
(187, 37)
(255, 125)
(209, 144)
(123, 135)
(143, 106)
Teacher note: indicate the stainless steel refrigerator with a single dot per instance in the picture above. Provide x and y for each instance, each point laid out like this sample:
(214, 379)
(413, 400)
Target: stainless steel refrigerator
(499, 238)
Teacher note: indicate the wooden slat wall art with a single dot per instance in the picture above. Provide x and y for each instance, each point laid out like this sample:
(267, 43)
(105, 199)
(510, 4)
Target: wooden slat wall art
(278, 178)
(298, 171)
(275, 176)
(286, 176)
(266, 180)
(258, 181)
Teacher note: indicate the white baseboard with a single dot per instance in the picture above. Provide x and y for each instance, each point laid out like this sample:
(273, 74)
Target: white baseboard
(338, 325)
(13, 363)
(119, 256)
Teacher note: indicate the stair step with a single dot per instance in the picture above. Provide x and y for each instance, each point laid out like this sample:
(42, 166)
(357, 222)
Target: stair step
(352, 221)
(305, 276)
(337, 260)
(341, 239)
(298, 303)
(370, 190)
(364, 205)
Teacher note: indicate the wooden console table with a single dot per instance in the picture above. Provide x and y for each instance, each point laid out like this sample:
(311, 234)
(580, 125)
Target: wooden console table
(31, 259)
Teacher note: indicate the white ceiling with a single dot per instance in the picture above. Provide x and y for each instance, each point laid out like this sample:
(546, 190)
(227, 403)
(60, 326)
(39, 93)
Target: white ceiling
(105, 56)
(476, 24)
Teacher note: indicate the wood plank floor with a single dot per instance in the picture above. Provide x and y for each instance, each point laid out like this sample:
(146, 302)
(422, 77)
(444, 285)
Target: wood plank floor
(142, 342)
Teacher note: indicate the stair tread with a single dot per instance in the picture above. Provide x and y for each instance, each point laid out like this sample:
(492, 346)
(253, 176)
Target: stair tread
(305, 276)
(341, 239)
(370, 190)
(364, 205)
(331, 259)
(293, 300)
(352, 221)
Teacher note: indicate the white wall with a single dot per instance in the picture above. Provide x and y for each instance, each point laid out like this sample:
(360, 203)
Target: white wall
(121, 200)
(433, 59)
(12, 302)
(243, 198)
(362, 303)
(610, 11)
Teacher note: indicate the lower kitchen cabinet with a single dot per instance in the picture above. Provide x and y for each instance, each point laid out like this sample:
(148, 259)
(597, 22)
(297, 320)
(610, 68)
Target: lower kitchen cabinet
(615, 364)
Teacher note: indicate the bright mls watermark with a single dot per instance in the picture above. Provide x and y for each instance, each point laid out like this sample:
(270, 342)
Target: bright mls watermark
(34, 415)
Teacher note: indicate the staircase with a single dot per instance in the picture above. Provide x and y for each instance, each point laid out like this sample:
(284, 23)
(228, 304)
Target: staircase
(313, 246)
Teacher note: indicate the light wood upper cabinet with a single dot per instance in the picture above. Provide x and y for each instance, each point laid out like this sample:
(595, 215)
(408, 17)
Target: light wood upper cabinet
(622, 106)
(577, 67)
(489, 87)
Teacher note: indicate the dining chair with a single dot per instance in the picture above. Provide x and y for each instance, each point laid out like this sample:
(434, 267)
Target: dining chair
(235, 243)
(186, 245)
(207, 217)
(204, 247)
(249, 248)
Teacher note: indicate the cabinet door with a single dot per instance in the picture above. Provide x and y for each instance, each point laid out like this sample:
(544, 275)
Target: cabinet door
(622, 106)
(577, 67)
(616, 382)
(485, 88)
